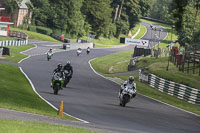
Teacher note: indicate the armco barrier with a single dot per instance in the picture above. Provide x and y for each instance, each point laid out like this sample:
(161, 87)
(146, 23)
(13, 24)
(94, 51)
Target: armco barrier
(180, 91)
(13, 43)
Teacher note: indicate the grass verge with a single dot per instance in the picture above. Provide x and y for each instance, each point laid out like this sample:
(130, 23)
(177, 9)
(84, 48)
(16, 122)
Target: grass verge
(8, 126)
(141, 33)
(2, 38)
(113, 63)
(36, 36)
(15, 55)
(16, 93)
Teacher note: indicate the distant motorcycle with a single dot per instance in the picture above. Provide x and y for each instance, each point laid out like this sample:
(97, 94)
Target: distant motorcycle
(126, 95)
(57, 83)
(49, 55)
(78, 51)
(88, 50)
(67, 78)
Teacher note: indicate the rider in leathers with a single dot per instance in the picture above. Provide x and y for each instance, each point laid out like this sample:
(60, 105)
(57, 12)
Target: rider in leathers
(69, 69)
(129, 82)
(60, 71)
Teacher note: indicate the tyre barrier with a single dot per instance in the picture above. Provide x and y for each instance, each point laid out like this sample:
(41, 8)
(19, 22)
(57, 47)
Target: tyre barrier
(13, 43)
(180, 91)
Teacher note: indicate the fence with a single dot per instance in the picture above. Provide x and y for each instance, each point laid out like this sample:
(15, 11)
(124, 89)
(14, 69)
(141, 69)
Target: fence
(13, 43)
(18, 34)
(180, 91)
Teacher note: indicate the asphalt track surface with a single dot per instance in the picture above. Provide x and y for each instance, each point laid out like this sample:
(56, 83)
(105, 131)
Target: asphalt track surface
(93, 98)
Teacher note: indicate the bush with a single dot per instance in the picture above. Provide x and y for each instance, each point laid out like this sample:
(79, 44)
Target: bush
(32, 28)
(44, 30)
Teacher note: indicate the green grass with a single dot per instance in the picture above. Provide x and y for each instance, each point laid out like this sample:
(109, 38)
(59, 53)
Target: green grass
(16, 93)
(146, 90)
(158, 67)
(15, 55)
(135, 29)
(36, 36)
(107, 41)
(9, 126)
(141, 33)
(113, 63)
(2, 38)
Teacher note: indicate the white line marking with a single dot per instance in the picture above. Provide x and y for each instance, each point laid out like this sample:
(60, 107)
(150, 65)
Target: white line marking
(33, 87)
(141, 94)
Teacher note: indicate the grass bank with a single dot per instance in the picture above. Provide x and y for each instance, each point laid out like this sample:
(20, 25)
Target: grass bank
(142, 32)
(8, 126)
(2, 38)
(36, 36)
(15, 55)
(156, 66)
(113, 63)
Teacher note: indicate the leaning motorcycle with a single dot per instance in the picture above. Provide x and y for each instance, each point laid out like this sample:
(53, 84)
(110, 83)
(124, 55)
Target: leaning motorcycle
(126, 95)
(49, 55)
(78, 52)
(67, 77)
(57, 83)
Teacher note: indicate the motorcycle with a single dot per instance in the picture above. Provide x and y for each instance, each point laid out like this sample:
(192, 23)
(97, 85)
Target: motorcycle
(88, 51)
(126, 95)
(79, 52)
(67, 77)
(57, 83)
(49, 55)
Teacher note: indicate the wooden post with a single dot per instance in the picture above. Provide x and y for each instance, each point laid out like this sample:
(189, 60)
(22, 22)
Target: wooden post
(188, 64)
(194, 65)
(183, 63)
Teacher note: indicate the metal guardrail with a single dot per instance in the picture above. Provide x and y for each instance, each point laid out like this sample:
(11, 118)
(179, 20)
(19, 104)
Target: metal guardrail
(180, 91)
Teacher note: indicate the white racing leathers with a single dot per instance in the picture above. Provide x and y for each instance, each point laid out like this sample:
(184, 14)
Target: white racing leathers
(127, 92)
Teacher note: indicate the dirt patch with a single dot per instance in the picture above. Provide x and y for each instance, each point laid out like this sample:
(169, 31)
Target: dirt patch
(1, 57)
(111, 69)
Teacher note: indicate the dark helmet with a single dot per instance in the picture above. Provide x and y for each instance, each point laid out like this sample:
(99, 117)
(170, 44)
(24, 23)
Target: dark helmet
(51, 49)
(59, 66)
(68, 63)
(131, 79)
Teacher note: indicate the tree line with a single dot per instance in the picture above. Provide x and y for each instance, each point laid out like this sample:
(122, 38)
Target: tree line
(110, 18)
(106, 18)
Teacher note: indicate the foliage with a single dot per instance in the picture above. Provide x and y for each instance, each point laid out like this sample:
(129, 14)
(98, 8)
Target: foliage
(77, 18)
(161, 9)
(187, 22)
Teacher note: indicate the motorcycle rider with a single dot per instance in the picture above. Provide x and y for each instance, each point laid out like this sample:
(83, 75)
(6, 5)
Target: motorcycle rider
(79, 50)
(49, 53)
(129, 82)
(69, 69)
(60, 71)
(88, 50)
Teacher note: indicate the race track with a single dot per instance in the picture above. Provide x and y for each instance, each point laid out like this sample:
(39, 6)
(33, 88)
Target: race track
(94, 99)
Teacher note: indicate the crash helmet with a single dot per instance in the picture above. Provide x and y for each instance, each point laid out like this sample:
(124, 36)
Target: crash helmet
(131, 79)
(51, 49)
(68, 63)
(59, 66)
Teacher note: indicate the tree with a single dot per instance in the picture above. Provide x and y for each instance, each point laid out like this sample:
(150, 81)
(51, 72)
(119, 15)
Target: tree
(98, 15)
(187, 21)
